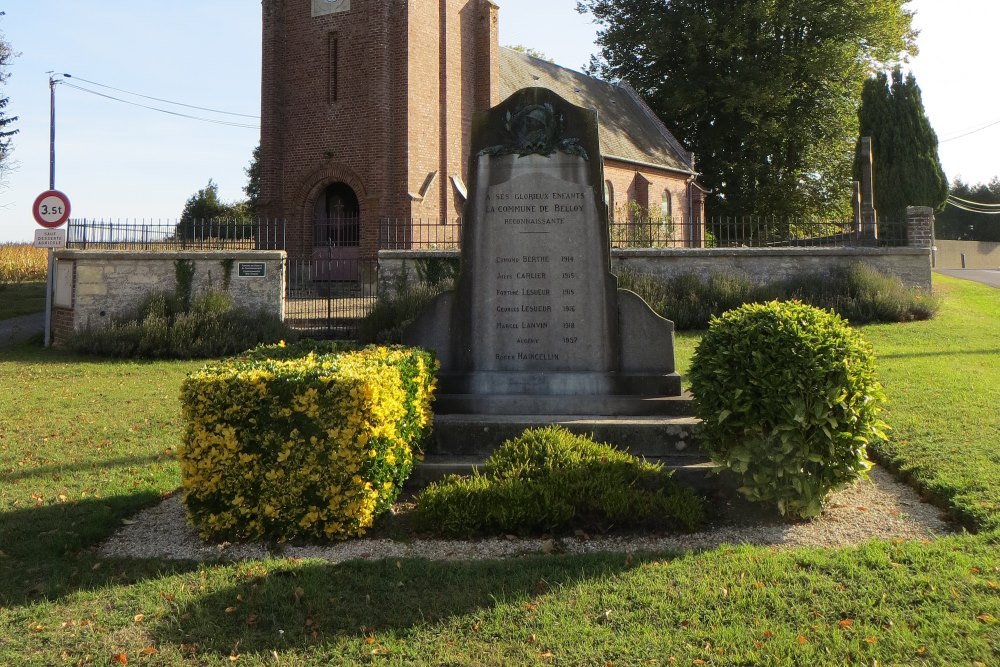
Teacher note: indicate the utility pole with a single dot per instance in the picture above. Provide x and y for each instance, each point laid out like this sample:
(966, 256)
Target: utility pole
(52, 132)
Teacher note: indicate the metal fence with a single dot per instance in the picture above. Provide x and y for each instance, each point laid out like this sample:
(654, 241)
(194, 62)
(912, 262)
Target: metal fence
(751, 232)
(420, 234)
(722, 232)
(147, 235)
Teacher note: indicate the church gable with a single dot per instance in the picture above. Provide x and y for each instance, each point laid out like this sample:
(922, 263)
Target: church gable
(629, 130)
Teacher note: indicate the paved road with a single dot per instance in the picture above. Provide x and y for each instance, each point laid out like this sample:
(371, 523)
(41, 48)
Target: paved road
(18, 329)
(991, 278)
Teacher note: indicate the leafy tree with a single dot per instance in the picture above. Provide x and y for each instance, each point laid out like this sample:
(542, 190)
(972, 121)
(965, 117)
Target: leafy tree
(959, 224)
(252, 188)
(205, 215)
(906, 168)
(6, 122)
(765, 93)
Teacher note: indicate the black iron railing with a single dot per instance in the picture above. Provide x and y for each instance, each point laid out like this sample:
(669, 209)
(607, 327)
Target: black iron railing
(145, 235)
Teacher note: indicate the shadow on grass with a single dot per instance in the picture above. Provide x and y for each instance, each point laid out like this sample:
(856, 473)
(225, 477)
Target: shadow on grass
(64, 468)
(47, 551)
(297, 606)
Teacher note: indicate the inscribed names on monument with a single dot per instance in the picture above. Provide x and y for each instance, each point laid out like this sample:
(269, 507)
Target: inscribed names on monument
(538, 267)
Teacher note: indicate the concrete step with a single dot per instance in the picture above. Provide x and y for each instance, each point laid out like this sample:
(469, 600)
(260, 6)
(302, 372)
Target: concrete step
(584, 404)
(479, 435)
(699, 474)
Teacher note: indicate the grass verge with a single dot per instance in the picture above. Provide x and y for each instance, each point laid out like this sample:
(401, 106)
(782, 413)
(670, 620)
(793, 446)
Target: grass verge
(84, 443)
(18, 299)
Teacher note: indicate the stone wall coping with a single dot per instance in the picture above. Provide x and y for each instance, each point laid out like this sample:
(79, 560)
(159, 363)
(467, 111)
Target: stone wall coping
(205, 255)
(696, 252)
(767, 252)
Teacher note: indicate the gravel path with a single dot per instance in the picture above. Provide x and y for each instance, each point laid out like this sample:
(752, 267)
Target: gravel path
(883, 509)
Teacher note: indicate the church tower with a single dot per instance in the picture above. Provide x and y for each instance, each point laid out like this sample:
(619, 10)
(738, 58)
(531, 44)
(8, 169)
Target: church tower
(366, 115)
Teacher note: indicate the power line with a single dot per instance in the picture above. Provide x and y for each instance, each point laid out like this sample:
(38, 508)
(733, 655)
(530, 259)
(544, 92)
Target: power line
(166, 111)
(973, 203)
(158, 99)
(971, 132)
(962, 207)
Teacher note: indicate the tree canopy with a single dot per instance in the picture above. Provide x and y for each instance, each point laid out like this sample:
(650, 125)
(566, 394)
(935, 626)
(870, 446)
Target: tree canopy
(764, 92)
(906, 167)
(6, 122)
(252, 188)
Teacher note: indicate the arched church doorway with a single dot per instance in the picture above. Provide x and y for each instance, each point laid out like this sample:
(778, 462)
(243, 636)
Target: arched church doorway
(336, 233)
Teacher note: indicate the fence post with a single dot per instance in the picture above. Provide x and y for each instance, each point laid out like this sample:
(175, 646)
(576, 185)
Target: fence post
(919, 227)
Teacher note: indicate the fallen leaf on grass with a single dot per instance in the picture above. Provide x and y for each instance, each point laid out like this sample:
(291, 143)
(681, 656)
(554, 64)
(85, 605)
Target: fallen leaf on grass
(986, 618)
(149, 650)
(139, 618)
(230, 610)
(845, 623)
(802, 640)
(870, 640)
(119, 658)
(298, 593)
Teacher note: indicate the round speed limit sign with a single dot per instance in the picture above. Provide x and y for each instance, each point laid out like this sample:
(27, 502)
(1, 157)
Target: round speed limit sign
(51, 209)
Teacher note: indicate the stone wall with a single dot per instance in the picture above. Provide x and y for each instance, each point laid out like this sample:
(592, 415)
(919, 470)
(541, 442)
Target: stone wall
(93, 286)
(763, 265)
(977, 255)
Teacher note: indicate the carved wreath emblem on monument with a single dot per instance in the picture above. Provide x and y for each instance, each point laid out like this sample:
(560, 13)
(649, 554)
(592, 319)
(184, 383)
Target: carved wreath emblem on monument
(535, 129)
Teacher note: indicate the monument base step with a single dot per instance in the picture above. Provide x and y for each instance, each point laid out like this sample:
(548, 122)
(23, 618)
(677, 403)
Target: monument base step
(698, 474)
(584, 404)
(479, 435)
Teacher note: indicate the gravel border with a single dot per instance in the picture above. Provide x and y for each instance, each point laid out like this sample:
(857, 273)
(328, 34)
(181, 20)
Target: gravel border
(882, 509)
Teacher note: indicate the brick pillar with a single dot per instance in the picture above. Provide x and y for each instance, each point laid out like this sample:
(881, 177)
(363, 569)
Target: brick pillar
(919, 227)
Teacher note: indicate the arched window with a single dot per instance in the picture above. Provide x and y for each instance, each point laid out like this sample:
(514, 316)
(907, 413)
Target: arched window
(667, 205)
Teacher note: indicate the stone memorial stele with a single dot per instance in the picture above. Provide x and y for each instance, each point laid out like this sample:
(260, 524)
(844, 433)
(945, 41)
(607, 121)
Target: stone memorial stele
(537, 324)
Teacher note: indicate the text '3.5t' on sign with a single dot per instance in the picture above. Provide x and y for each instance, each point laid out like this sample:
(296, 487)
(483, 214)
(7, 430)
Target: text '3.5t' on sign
(51, 209)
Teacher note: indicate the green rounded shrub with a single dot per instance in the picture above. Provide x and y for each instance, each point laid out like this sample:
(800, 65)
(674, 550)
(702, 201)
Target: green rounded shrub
(548, 479)
(789, 400)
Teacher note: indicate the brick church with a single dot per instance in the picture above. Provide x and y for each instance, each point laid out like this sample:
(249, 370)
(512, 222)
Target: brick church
(366, 116)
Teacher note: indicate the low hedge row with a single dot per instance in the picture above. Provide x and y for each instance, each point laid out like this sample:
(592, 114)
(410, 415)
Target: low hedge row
(550, 479)
(281, 445)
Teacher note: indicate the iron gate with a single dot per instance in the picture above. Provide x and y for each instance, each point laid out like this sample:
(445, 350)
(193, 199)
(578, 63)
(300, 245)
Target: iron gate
(328, 297)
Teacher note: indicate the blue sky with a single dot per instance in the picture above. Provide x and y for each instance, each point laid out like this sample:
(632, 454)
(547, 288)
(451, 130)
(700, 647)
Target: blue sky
(119, 161)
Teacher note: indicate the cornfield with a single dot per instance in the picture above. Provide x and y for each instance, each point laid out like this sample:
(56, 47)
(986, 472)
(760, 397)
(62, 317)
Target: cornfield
(22, 263)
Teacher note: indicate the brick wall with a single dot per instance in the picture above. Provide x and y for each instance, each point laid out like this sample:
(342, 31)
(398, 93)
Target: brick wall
(624, 178)
(409, 76)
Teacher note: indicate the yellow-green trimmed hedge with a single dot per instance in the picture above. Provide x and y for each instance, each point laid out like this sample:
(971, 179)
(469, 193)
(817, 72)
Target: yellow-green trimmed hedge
(280, 446)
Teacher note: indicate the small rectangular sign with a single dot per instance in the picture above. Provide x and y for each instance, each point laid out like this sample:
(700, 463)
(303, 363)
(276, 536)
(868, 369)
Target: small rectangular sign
(252, 270)
(50, 238)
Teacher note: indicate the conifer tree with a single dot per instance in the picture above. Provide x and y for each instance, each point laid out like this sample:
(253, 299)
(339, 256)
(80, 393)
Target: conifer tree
(907, 169)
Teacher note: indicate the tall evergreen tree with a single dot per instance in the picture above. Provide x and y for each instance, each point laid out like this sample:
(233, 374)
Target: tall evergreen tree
(907, 169)
(764, 93)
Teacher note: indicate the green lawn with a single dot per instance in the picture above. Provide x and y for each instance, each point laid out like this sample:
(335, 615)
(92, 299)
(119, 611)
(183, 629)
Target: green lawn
(83, 444)
(21, 299)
